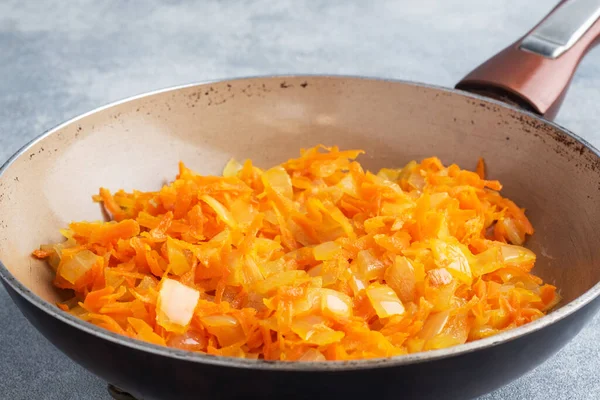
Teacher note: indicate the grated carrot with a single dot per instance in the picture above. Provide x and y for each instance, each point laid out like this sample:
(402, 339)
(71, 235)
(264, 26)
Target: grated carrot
(314, 259)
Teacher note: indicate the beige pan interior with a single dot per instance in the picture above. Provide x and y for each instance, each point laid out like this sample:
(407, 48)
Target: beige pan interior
(138, 143)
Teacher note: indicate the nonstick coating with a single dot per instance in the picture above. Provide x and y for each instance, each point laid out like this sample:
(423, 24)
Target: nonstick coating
(137, 144)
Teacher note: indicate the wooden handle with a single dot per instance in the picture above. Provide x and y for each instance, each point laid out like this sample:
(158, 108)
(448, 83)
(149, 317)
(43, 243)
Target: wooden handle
(535, 71)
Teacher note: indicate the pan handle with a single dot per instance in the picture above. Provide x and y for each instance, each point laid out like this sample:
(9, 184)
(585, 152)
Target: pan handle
(535, 71)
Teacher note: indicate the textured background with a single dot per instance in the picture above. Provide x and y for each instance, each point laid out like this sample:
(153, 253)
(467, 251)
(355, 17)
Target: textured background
(61, 58)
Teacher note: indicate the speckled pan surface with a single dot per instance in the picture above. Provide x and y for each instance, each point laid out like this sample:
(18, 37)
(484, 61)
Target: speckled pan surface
(137, 144)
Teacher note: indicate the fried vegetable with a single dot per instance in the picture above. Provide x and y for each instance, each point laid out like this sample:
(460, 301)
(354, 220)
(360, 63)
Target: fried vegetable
(314, 259)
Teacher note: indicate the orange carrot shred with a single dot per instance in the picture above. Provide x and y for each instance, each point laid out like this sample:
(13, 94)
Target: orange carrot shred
(480, 170)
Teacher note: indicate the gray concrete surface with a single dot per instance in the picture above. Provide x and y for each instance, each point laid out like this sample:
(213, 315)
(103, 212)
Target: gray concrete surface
(61, 58)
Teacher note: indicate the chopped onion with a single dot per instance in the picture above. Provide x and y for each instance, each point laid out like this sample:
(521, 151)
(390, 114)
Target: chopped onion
(146, 283)
(226, 328)
(384, 300)
(313, 330)
(434, 324)
(250, 271)
(416, 180)
(395, 209)
(486, 262)
(113, 278)
(269, 268)
(435, 199)
(356, 284)
(74, 268)
(328, 271)
(55, 251)
(270, 284)
(513, 233)
(223, 213)
(178, 261)
(439, 276)
(348, 186)
(335, 304)
(192, 341)
(452, 258)
(455, 331)
(391, 175)
(368, 266)
(232, 168)
(308, 304)
(400, 276)
(516, 254)
(278, 179)
(372, 225)
(242, 212)
(266, 247)
(312, 355)
(176, 304)
(326, 251)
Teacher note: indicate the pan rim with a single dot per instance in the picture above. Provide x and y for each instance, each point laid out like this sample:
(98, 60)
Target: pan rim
(298, 366)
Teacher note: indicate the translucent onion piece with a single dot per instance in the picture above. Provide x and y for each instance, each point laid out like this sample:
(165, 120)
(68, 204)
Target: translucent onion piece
(335, 304)
(178, 261)
(312, 355)
(176, 304)
(356, 283)
(278, 179)
(400, 276)
(226, 328)
(192, 341)
(313, 330)
(348, 186)
(439, 276)
(369, 267)
(513, 233)
(452, 258)
(384, 300)
(326, 251)
(242, 212)
(232, 168)
(391, 175)
(55, 251)
(486, 262)
(223, 213)
(76, 267)
(517, 255)
(270, 284)
(434, 325)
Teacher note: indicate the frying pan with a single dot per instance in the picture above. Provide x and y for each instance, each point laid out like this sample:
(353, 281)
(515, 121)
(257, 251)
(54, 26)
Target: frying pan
(504, 117)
